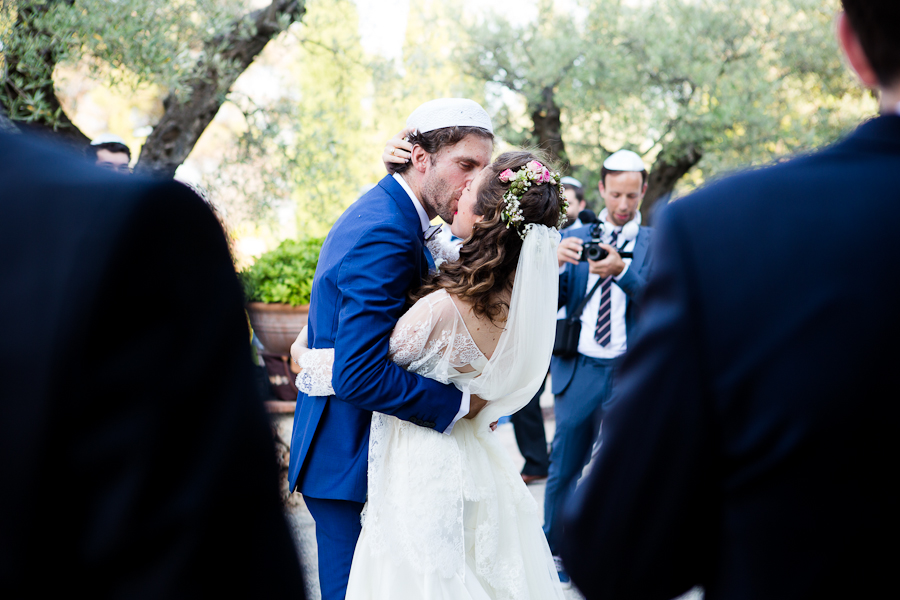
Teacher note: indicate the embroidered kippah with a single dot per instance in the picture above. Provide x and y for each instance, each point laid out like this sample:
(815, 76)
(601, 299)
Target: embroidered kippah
(449, 112)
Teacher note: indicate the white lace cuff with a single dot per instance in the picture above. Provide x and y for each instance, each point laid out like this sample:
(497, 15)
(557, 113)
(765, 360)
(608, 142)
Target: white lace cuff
(442, 250)
(315, 378)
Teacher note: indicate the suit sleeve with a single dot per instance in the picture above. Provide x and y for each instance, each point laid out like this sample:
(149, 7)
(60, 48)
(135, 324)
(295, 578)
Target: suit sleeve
(639, 525)
(374, 279)
(169, 456)
(632, 284)
(564, 277)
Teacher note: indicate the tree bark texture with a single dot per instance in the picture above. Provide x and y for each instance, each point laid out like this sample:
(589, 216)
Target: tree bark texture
(663, 177)
(547, 131)
(183, 122)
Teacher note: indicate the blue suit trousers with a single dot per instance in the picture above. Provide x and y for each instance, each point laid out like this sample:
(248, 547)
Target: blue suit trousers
(337, 530)
(578, 411)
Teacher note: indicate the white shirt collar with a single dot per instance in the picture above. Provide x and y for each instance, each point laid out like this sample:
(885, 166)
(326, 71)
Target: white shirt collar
(423, 216)
(897, 109)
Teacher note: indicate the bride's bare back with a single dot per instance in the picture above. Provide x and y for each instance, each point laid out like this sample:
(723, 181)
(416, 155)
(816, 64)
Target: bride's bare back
(484, 332)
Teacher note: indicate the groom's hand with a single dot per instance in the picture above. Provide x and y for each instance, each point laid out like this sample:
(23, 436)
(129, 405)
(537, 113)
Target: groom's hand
(475, 406)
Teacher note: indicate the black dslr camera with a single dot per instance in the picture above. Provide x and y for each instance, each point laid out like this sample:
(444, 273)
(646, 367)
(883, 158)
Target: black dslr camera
(591, 250)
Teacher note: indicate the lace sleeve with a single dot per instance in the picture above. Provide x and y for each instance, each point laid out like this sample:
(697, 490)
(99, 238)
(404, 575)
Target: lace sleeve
(442, 249)
(427, 340)
(411, 334)
(315, 378)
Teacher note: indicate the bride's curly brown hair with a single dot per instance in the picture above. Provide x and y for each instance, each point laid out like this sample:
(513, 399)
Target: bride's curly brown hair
(488, 258)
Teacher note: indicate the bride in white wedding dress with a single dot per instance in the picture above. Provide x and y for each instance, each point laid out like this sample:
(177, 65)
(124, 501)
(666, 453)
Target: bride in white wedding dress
(448, 516)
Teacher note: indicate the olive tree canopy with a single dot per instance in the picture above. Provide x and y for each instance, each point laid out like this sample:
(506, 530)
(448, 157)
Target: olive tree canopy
(195, 49)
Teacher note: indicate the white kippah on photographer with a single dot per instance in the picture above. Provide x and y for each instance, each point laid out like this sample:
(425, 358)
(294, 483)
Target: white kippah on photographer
(624, 160)
(449, 112)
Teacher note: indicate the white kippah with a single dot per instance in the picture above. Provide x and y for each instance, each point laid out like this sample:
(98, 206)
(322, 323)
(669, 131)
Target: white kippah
(571, 181)
(108, 138)
(624, 160)
(449, 112)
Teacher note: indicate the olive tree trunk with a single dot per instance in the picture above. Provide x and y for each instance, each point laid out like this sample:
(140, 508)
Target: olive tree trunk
(664, 174)
(184, 121)
(547, 128)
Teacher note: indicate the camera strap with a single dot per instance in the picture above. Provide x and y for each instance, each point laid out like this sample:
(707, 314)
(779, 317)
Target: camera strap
(576, 314)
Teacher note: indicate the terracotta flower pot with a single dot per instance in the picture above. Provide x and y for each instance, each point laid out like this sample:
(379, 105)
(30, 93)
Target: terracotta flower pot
(277, 325)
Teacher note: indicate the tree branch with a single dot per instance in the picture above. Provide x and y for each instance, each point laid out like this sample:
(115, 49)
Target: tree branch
(184, 121)
(41, 120)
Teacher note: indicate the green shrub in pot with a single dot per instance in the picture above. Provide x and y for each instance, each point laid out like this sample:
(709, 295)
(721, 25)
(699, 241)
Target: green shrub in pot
(285, 274)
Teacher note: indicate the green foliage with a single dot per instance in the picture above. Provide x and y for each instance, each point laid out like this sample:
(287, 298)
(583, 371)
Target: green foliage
(741, 81)
(125, 43)
(310, 144)
(284, 274)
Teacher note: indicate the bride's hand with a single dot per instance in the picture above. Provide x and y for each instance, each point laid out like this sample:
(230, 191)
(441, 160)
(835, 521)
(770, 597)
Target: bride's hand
(475, 406)
(397, 150)
(300, 346)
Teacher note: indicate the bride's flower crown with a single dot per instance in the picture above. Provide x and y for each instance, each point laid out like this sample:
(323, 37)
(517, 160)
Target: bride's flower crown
(519, 182)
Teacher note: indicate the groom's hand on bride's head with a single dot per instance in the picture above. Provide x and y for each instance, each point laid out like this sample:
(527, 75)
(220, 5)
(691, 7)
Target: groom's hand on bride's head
(397, 151)
(475, 406)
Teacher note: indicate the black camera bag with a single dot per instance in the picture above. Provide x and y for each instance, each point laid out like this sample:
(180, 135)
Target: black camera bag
(568, 330)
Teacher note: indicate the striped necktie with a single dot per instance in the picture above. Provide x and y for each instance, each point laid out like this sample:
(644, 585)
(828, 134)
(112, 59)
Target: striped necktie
(603, 331)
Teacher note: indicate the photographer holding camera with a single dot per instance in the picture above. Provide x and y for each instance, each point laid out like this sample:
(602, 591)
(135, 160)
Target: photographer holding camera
(604, 268)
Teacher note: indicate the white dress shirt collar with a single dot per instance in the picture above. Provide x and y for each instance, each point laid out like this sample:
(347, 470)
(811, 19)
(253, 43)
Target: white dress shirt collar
(423, 216)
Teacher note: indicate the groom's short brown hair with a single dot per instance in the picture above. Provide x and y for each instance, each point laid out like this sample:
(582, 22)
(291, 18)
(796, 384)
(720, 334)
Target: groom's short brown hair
(877, 23)
(434, 141)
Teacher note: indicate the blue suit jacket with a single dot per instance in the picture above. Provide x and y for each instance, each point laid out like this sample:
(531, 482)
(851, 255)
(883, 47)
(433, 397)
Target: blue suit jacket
(573, 288)
(753, 447)
(371, 259)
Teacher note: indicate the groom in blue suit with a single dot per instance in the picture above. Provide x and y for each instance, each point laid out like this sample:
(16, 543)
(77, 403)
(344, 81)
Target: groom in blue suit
(373, 257)
(753, 446)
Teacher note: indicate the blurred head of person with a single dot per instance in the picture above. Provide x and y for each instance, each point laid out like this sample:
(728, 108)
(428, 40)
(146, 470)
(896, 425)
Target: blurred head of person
(110, 152)
(868, 33)
(575, 196)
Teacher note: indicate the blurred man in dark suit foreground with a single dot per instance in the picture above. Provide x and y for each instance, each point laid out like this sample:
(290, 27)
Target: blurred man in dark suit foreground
(136, 460)
(753, 447)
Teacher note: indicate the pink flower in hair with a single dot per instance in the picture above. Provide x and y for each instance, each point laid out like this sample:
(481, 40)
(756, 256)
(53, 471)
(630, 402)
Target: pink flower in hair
(507, 175)
(534, 166)
(545, 176)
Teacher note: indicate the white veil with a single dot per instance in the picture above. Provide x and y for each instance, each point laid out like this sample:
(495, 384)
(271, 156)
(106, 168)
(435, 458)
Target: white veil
(519, 363)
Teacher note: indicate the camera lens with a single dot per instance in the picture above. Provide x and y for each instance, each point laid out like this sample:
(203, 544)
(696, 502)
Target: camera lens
(596, 253)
